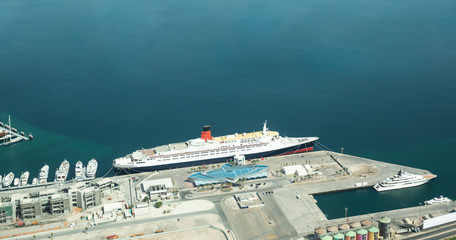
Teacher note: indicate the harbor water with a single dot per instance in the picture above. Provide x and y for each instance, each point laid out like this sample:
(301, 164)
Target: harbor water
(103, 78)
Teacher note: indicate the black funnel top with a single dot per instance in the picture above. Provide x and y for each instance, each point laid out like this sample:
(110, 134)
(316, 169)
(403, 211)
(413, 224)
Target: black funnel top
(206, 128)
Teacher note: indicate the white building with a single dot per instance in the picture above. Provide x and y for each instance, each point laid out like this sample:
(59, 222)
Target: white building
(295, 169)
(157, 185)
(110, 209)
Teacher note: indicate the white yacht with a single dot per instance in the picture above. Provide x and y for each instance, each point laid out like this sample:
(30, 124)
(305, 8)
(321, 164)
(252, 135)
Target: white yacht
(24, 178)
(61, 173)
(78, 171)
(92, 168)
(438, 200)
(8, 179)
(402, 180)
(35, 181)
(44, 173)
(208, 149)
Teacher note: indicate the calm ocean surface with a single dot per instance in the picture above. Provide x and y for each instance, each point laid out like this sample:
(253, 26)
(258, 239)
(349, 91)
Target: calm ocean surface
(98, 78)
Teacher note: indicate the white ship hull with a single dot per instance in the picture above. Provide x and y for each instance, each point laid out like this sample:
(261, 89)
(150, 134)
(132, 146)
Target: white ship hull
(92, 168)
(402, 180)
(44, 173)
(209, 150)
(399, 186)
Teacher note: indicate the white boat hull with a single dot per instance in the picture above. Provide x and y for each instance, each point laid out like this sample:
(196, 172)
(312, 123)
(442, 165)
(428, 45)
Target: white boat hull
(399, 186)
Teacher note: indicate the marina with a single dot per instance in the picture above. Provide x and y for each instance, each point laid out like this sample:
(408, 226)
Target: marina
(9, 182)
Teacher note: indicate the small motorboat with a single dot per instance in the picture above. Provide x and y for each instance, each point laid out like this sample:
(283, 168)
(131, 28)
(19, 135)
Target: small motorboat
(16, 182)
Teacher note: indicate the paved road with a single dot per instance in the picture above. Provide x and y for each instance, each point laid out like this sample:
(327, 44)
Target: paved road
(66, 232)
(437, 234)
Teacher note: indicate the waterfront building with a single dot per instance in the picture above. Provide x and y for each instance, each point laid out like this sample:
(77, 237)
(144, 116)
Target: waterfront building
(228, 173)
(88, 197)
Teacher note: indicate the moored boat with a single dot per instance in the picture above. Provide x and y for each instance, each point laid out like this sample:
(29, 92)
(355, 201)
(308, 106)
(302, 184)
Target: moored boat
(438, 200)
(79, 173)
(208, 150)
(34, 181)
(11, 141)
(402, 180)
(44, 173)
(8, 179)
(5, 136)
(16, 182)
(24, 178)
(91, 168)
(62, 172)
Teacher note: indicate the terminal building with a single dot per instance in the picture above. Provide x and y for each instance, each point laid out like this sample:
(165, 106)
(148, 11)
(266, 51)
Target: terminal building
(228, 173)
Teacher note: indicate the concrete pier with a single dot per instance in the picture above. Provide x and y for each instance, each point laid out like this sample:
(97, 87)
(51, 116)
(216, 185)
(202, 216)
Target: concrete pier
(288, 209)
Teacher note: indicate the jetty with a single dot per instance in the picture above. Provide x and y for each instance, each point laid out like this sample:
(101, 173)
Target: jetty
(10, 135)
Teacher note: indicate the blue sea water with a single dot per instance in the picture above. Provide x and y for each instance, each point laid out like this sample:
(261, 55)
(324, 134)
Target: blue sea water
(98, 78)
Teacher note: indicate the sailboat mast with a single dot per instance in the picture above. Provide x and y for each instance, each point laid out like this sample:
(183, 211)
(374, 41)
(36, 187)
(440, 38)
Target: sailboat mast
(9, 126)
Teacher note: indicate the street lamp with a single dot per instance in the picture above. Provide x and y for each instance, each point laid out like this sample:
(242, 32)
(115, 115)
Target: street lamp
(346, 210)
(419, 215)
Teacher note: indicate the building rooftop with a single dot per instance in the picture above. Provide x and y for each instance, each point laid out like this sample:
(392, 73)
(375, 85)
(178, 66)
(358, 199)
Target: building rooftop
(168, 182)
(298, 169)
(229, 173)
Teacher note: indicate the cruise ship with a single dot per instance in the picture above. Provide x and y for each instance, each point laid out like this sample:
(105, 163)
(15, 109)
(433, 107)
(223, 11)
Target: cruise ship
(402, 180)
(208, 149)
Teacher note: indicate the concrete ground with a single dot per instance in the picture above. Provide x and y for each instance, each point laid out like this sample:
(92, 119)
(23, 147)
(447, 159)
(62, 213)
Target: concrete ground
(266, 222)
(172, 229)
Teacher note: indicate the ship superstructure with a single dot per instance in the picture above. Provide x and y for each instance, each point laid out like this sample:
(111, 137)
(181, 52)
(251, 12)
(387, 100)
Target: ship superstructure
(402, 180)
(208, 149)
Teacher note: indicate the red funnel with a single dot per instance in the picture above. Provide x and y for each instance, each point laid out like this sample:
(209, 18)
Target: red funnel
(206, 133)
